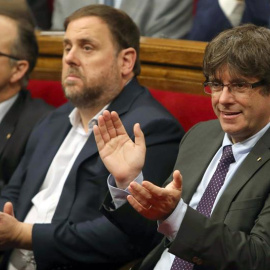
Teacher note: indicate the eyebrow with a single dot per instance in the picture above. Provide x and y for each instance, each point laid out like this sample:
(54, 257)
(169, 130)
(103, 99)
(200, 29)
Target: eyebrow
(232, 80)
(81, 41)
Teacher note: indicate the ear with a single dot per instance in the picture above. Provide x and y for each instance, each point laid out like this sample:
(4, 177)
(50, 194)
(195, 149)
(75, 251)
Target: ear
(128, 57)
(18, 70)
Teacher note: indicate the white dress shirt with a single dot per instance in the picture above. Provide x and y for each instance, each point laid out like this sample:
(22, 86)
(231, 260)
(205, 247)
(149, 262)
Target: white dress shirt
(46, 200)
(233, 10)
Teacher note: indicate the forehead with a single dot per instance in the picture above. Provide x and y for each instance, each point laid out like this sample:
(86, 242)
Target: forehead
(8, 30)
(226, 73)
(91, 27)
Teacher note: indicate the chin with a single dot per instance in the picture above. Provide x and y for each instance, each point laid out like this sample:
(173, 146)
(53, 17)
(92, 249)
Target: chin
(71, 90)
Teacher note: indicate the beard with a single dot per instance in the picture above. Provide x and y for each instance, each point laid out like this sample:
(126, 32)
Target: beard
(84, 96)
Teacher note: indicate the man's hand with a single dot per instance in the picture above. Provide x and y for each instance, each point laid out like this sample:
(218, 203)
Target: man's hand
(122, 157)
(153, 202)
(14, 234)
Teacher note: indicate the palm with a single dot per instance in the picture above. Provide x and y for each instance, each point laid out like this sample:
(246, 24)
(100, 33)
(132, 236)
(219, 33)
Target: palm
(154, 202)
(122, 157)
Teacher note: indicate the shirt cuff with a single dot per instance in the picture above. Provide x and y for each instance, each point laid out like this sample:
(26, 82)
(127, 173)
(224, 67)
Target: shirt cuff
(119, 196)
(170, 226)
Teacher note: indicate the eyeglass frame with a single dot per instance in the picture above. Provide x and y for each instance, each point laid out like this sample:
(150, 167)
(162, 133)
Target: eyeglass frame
(251, 86)
(10, 56)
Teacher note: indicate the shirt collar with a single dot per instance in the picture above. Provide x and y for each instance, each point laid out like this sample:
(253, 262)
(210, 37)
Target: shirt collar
(75, 118)
(246, 145)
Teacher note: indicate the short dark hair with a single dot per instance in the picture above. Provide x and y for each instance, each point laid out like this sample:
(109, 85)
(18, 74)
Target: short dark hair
(124, 31)
(26, 47)
(244, 50)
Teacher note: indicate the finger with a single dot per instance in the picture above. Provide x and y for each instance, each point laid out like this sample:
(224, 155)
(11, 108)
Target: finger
(98, 138)
(141, 194)
(154, 190)
(139, 136)
(135, 204)
(147, 213)
(8, 209)
(103, 129)
(177, 180)
(108, 121)
(118, 125)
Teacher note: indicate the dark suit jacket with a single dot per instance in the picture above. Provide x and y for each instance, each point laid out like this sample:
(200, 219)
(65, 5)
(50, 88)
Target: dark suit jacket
(42, 13)
(15, 129)
(210, 20)
(80, 237)
(237, 236)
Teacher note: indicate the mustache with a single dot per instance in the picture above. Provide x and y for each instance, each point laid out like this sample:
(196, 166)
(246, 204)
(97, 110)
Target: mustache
(73, 71)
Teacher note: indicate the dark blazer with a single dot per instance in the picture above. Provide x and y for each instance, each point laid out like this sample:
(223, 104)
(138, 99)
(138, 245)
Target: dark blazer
(80, 237)
(237, 235)
(42, 13)
(210, 20)
(15, 129)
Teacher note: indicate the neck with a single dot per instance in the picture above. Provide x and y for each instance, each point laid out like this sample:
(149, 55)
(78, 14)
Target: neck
(8, 92)
(87, 114)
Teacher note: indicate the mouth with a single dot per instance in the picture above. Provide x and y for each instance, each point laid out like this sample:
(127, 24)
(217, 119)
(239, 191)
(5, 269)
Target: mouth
(72, 76)
(229, 114)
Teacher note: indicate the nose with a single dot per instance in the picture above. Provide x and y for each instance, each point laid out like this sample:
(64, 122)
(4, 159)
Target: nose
(71, 58)
(226, 96)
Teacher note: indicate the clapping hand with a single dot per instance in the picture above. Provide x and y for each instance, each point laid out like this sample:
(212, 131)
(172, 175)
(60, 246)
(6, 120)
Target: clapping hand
(123, 158)
(154, 202)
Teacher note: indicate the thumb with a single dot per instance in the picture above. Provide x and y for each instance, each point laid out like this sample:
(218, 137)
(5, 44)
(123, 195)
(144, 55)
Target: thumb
(177, 180)
(8, 209)
(139, 136)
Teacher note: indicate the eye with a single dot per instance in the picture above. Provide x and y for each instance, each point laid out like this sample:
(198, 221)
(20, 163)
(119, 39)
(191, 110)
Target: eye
(87, 47)
(215, 86)
(67, 48)
(239, 86)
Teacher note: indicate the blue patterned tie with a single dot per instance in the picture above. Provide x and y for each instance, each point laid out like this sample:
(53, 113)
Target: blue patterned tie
(206, 203)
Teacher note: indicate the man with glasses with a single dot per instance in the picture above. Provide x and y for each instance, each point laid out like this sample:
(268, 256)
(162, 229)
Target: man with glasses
(18, 111)
(215, 208)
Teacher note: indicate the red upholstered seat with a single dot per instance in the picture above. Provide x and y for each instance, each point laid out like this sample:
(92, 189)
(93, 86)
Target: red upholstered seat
(50, 91)
(187, 108)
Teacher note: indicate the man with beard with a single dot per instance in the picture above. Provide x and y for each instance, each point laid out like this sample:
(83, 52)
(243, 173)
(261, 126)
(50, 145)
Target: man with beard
(60, 183)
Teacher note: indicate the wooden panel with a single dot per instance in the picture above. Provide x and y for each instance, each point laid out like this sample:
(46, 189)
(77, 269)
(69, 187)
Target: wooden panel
(172, 52)
(167, 64)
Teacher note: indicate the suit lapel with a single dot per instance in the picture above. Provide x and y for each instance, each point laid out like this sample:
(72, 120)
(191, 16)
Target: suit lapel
(209, 147)
(258, 156)
(9, 122)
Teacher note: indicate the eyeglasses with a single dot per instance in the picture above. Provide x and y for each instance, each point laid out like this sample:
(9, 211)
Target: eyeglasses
(10, 56)
(237, 89)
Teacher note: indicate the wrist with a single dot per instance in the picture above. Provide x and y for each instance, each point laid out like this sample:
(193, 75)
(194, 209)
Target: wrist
(124, 183)
(24, 236)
